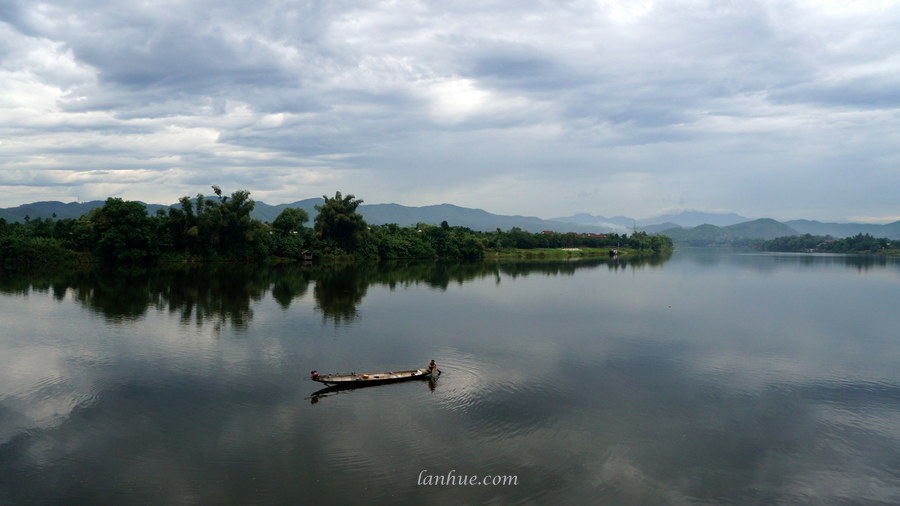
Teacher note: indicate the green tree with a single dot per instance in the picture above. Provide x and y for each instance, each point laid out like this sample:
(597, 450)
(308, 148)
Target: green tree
(238, 234)
(290, 239)
(183, 225)
(216, 228)
(471, 247)
(18, 251)
(339, 222)
(290, 220)
(122, 231)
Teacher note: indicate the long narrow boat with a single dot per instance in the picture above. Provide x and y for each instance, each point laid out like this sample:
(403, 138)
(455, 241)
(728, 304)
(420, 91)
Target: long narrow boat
(372, 378)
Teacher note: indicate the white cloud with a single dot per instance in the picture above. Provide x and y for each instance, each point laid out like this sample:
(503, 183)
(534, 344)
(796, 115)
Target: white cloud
(703, 97)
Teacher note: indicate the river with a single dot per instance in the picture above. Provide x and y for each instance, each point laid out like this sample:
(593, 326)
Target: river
(705, 377)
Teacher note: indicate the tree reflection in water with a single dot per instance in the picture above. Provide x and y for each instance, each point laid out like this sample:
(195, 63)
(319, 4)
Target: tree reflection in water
(223, 294)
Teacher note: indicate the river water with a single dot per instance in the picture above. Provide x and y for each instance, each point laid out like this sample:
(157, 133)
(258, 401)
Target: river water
(707, 377)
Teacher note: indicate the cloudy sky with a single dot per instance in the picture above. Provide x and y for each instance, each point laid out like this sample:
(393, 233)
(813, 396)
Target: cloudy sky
(783, 109)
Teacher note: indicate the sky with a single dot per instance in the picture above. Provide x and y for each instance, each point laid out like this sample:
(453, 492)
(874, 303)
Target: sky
(782, 109)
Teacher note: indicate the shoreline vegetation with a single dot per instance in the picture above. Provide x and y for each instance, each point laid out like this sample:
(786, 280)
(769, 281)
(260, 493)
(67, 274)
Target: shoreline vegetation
(219, 229)
(859, 244)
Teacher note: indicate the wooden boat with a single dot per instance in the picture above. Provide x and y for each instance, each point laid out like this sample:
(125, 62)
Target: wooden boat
(372, 378)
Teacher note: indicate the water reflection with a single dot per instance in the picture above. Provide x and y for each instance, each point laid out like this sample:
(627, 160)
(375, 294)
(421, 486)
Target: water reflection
(339, 291)
(224, 294)
(679, 385)
(771, 261)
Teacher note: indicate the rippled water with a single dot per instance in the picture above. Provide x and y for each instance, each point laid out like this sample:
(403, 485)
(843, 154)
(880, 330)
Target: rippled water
(709, 377)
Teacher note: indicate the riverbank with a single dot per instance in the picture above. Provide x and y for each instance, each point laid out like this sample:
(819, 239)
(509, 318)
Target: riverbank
(548, 253)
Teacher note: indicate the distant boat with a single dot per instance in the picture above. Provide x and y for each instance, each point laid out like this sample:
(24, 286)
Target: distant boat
(613, 252)
(372, 378)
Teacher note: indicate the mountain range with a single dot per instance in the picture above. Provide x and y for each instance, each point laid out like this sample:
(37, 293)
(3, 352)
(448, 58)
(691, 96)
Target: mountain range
(694, 226)
(682, 219)
(687, 226)
(767, 228)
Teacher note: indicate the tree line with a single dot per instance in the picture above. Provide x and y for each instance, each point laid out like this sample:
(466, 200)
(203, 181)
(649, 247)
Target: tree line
(219, 228)
(860, 243)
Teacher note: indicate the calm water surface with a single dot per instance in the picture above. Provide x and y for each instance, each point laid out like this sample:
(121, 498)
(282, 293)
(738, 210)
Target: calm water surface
(709, 377)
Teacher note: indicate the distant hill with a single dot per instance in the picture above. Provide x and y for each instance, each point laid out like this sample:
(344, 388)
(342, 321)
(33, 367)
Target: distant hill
(268, 213)
(711, 235)
(763, 228)
(48, 209)
(702, 235)
(618, 224)
(8, 216)
(658, 229)
(476, 219)
(681, 227)
(657, 223)
(696, 218)
(766, 228)
(375, 214)
(891, 230)
(62, 211)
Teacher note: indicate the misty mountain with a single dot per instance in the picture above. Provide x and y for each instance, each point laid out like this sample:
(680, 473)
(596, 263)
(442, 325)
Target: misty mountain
(701, 235)
(658, 229)
(476, 219)
(696, 218)
(616, 223)
(682, 219)
(712, 235)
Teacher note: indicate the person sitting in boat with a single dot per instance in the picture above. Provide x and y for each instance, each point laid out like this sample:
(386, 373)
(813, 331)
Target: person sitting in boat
(432, 367)
(313, 375)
